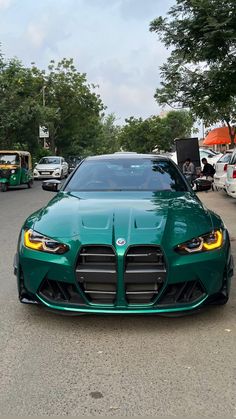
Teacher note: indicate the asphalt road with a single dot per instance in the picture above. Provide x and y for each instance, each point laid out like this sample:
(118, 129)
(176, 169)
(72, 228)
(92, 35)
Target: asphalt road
(104, 365)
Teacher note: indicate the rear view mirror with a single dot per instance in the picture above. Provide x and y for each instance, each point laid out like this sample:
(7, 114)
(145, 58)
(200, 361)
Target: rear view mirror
(52, 185)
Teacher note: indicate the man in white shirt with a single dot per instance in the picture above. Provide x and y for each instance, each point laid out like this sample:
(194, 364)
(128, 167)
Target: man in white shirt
(188, 170)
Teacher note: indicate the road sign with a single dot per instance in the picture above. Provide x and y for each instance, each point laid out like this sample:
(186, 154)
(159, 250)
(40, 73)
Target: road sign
(43, 132)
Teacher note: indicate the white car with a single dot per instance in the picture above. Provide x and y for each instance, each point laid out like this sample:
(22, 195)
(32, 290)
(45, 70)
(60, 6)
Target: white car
(221, 170)
(210, 155)
(230, 182)
(51, 167)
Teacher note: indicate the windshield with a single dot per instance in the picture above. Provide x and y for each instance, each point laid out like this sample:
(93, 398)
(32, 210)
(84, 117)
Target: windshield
(50, 160)
(127, 175)
(9, 158)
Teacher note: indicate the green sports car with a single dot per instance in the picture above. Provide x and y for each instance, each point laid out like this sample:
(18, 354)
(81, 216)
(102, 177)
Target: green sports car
(124, 234)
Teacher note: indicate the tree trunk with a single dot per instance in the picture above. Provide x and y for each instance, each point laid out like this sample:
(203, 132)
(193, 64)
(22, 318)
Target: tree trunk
(232, 135)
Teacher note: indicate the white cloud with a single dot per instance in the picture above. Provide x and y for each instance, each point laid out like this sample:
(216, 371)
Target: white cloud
(4, 4)
(36, 34)
(133, 9)
(108, 39)
(126, 100)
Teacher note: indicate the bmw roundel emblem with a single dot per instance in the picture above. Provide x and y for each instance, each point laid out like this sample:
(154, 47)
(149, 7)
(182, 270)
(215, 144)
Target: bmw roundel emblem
(120, 242)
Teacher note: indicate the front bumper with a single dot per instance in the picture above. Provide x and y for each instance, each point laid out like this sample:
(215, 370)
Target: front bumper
(47, 176)
(231, 189)
(219, 182)
(206, 272)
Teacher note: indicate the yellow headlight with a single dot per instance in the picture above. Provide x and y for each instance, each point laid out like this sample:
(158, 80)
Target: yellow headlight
(31, 242)
(206, 242)
(36, 241)
(213, 241)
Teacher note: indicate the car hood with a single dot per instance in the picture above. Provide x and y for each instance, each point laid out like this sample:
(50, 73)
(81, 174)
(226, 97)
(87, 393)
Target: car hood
(156, 218)
(47, 167)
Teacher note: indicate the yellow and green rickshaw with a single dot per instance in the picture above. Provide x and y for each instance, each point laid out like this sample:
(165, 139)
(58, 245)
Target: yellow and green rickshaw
(15, 169)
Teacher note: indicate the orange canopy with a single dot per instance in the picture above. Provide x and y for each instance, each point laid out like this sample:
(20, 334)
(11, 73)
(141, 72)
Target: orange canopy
(218, 136)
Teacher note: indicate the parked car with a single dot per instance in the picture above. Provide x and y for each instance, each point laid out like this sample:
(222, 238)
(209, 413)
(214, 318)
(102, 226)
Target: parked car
(126, 234)
(221, 170)
(230, 182)
(73, 162)
(51, 167)
(211, 156)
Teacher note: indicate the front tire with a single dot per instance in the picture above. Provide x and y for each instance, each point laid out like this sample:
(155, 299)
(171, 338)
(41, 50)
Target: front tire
(4, 187)
(62, 175)
(30, 184)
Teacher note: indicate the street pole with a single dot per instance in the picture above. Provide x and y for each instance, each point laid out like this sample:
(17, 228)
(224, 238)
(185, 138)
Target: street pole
(43, 90)
(44, 87)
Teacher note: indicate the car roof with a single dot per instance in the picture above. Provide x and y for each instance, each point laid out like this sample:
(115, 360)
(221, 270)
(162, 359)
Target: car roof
(50, 157)
(128, 155)
(23, 153)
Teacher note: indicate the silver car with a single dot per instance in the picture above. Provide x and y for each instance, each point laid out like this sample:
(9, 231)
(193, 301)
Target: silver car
(220, 175)
(51, 167)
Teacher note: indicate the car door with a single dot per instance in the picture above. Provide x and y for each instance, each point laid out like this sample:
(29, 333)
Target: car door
(221, 165)
(231, 169)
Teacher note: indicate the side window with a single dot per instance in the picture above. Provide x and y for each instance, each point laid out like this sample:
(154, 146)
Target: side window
(233, 159)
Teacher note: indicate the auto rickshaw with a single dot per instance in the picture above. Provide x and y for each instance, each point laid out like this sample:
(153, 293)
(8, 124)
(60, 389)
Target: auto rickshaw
(15, 169)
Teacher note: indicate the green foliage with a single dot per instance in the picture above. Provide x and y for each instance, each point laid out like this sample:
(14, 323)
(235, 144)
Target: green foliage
(19, 110)
(200, 73)
(155, 132)
(60, 99)
(75, 109)
(109, 136)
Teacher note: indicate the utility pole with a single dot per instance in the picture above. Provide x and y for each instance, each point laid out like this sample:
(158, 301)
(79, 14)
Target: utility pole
(203, 130)
(43, 90)
(44, 104)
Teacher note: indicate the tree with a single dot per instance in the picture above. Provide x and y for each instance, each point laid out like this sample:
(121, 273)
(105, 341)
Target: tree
(200, 73)
(73, 109)
(60, 99)
(155, 132)
(20, 111)
(109, 136)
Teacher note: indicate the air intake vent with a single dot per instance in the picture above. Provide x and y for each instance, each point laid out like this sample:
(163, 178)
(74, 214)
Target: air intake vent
(61, 292)
(182, 293)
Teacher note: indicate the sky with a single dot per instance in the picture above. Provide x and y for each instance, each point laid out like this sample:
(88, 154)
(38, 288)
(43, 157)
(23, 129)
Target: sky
(109, 40)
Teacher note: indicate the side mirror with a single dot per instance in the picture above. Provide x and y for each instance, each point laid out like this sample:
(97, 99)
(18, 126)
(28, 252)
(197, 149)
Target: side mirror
(52, 185)
(36, 163)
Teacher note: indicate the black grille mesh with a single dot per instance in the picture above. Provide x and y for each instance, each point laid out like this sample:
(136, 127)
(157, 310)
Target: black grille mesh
(96, 273)
(145, 273)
